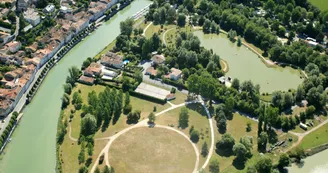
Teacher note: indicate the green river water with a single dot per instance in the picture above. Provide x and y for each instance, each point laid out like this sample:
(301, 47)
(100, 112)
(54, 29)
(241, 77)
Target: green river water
(33, 145)
(245, 65)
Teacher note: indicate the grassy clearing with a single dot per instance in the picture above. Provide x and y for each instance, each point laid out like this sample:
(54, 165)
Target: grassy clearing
(69, 152)
(237, 128)
(322, 4)
(318, 137)
(180, 98)
(160, 150)
(197, 118)
(266, 98)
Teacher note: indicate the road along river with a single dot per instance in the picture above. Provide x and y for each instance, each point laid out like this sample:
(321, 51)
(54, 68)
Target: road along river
(33, 145)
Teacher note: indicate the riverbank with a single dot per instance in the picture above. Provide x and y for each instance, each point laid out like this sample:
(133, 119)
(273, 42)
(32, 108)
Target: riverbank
(41, 115)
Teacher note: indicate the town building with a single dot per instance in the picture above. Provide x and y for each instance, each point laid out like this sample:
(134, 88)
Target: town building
(5, 37)
(86, 80)
(175, 74)
(22, 5)
(158, 59)
(111, 59)
(49, 8)
(14, 46)
(32, 17)
(151, 71)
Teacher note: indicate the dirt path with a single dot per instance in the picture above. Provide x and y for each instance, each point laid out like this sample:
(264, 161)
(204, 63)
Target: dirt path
(164, 35)
(70, 133)
(142, 123)
(302, 135)
(210, 152)
(144, 31)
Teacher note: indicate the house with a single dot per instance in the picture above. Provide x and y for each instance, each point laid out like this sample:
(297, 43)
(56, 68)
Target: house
(158, 59)
(14, 46)
(4, 12)
(93, 70)
(49, 8)
(32, 48)
(222, 80)
(151, 71)
(22, 5)
(34, 61)
(32, 17)
(171, 96)
(86, 80)
(112, 59)
(5, 37)
(65, 9)
(175, 74)
(108, 74)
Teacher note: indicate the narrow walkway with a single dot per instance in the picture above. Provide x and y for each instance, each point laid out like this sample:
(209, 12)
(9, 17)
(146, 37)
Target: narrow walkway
(210, 153)
(144, 31)
(225, 69)
(70, 133)
(164, 35)
(142, 123)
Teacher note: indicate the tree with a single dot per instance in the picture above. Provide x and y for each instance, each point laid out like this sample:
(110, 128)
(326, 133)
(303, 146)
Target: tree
(146, 49)
(204, 151)
(262, 141)
(226, 142)
(214, 166)
(183, 118)
(90, 148)
(181, 20)
(235, 84)
(207, 26)
(151, 117)
(65, 100)
(74, 74)
(67, 88)
(300, 93)
(248, 127)
(247, 141)
(88, 125)
(127, 27)
(97, 170)
(229, 106)
(83, 169)
(134, 116)
(240, 151)
(251, 169)
(239, 42)
(77, 100)
(81, 156)
(194, 136)
(156, 41)
(264, 164)
(284, 160)
(108, 169)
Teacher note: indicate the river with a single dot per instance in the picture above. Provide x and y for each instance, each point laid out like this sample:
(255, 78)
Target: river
(33, 145)
(317, 163)
(245, 65)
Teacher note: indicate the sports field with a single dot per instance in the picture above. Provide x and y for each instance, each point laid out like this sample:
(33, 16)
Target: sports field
(321, 4)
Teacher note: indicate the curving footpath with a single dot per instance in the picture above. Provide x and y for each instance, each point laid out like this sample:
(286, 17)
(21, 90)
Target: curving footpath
(144, 123)
(164, 41)
(144, 31)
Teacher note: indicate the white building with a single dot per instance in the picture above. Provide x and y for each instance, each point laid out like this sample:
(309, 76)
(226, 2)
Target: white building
(32, 17)
(64, 9)
(49, 8)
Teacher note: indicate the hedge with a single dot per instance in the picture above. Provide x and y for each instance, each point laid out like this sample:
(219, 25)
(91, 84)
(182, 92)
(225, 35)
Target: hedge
(147, 97)
(174, 83)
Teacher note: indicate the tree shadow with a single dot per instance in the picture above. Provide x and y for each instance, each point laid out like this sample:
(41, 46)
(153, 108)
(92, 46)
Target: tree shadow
(238, 163)
(88, 162)
(198, 108)
(223, 152)
(116, 117)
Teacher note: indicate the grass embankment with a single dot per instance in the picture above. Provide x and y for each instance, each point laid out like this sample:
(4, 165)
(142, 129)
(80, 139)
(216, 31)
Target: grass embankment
(322, 4)
(316, 138)
(152, 150)
(197, 118)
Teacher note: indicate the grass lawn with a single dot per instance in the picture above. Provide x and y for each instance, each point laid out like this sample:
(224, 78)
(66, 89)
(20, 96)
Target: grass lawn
(266, 98)
(69, 152)
(145, 149)
(322, 4)
(180, 98)
(318, 137)
(151, 29)
(316, 122)
(197, 118)
(237, 128)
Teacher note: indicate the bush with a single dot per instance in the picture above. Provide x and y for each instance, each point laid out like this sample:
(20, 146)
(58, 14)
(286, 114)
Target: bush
(127, 109)
(194, 136)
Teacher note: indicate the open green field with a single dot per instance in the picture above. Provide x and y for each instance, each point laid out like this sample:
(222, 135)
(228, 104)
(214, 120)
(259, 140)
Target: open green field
(147, 150)
(322, 4)
(70, 161)
(316, 138)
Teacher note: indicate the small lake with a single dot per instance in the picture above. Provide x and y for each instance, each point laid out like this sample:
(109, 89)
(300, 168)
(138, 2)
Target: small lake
(317, 163)
(246, 65)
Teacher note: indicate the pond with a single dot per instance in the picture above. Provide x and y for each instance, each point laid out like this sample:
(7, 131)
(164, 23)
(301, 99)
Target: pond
(246, 65)
(317, 163)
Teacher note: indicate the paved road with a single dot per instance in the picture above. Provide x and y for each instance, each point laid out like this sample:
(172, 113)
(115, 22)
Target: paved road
(21, 102)
(17, 28)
